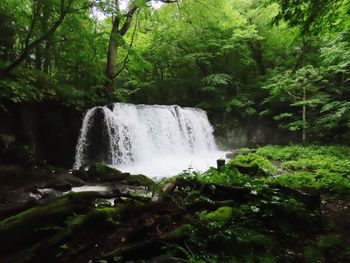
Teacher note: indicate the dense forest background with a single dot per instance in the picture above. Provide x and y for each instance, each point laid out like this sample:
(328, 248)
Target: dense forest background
(252, 64)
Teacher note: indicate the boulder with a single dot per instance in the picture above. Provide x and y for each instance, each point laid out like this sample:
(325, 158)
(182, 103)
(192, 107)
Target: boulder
(138, 179)
(102, 172)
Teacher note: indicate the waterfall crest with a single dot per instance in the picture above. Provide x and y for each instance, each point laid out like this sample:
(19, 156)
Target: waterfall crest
(126, 134)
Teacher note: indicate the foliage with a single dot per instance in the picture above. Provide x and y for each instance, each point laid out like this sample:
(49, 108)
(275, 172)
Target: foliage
(274, 219)
(255, 162)
(323, 167)
(313, 15)
(223, 56)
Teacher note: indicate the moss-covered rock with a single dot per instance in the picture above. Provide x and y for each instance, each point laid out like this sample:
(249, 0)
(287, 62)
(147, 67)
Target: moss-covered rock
(178, 234)
(138, 179)
(104, 172)
(25, 226)
(253, 165)
(220, 216)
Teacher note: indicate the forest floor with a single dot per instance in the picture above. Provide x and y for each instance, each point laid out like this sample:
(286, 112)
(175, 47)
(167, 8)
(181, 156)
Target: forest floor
(271, 204)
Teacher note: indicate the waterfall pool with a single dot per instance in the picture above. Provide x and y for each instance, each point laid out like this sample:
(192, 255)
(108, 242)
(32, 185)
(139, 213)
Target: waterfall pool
(171, 165)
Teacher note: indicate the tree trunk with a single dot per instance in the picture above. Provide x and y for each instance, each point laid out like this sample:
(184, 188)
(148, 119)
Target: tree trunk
(256, 49)
(37, 57)
(47, 55)
(304, 115)
(111, 69)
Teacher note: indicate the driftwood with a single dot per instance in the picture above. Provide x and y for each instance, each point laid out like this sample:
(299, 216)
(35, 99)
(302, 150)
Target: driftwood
(8, 210)
(22, 227)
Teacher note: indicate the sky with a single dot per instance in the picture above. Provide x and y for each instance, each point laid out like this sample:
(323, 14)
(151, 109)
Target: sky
(123, 4)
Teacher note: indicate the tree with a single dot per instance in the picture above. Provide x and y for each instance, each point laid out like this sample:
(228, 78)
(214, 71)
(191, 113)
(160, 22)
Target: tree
(313, 15)
(299, 90)
(65, 7)
(121, 23)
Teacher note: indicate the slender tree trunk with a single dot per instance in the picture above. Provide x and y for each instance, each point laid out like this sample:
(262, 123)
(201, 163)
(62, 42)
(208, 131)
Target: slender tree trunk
(38, 54)
(304, 92)
(47, 55)
(304, 115)
(256, 49)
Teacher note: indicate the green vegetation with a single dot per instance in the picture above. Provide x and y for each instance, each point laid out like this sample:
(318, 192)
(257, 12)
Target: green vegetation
(279, 61)
(270, 204)
(326, 168)
(278, 217)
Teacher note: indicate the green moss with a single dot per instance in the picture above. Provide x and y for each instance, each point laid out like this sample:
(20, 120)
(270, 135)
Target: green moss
(220, 216)
(253, 164)
(93, 222)
(101, 170)
(138, 179)
(178, 233)
(22, 226)
(26, 224)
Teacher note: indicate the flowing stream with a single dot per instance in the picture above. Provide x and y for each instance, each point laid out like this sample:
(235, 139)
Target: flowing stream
(158, 141)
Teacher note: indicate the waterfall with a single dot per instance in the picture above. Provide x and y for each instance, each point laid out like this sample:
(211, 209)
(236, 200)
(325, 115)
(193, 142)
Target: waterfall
(128, 136)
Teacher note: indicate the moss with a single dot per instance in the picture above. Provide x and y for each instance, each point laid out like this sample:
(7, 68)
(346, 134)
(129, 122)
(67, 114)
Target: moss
(253, 164)
(100, 170)
(178, 234)
(221, 216)
(23, 226)
(93, 222)
(27, 224)
(138, 179)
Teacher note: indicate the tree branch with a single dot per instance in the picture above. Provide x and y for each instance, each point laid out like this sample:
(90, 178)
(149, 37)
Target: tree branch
(64, 10)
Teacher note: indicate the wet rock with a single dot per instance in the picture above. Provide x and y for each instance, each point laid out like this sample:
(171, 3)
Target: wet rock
(49, 192)
(169, 188)
(138, 179)
(102, 172)
(60, 186)
(62, 181)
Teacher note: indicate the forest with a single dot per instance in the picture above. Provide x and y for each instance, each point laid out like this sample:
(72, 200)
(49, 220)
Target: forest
(107, 107)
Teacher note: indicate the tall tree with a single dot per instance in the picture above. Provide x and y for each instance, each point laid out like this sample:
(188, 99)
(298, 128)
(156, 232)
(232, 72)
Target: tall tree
(121, 23)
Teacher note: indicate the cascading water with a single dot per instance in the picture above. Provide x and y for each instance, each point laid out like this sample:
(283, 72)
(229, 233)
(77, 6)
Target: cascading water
(151, 139)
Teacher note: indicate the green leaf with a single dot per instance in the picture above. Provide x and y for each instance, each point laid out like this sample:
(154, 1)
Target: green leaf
(140, 3)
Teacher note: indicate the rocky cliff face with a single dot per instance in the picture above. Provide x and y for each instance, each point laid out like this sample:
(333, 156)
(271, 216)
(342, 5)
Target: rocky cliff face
(48, 130)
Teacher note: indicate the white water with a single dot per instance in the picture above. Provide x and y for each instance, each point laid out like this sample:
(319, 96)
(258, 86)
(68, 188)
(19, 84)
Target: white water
(158, 141)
